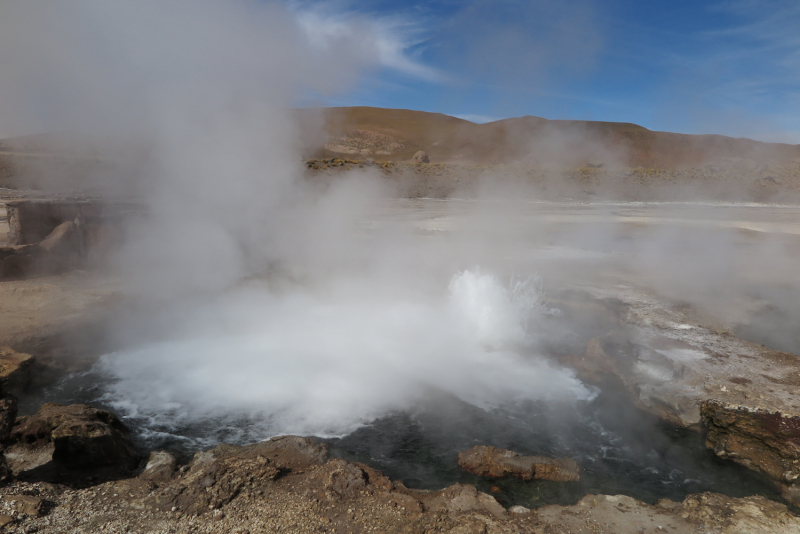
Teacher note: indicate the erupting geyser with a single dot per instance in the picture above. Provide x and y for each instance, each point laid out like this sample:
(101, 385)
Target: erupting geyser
(323, 364)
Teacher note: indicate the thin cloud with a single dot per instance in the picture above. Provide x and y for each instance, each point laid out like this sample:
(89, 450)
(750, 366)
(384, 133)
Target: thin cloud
(393, 39)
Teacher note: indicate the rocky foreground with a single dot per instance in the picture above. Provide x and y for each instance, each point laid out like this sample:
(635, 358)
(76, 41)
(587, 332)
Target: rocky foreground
(290, 484)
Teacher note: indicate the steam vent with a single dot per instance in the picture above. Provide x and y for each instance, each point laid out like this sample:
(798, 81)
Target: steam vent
(230, 305)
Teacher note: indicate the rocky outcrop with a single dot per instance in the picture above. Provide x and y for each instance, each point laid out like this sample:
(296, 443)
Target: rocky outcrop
(745, 395)
(492, 462)
(290, 484)
(15, 370)
(75, 437)
(767, 441)
(49, 236)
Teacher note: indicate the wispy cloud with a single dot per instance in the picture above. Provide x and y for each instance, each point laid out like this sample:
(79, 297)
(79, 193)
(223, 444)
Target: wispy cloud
(393, 38)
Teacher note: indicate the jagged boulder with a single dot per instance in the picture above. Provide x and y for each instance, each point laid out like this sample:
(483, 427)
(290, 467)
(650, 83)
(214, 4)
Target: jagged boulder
(491, 462)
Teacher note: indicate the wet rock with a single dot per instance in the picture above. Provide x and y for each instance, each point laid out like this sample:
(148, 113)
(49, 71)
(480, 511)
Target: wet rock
(670, 366)
(764, 440)
(73, 437)
(15, 370)
(421, 157)
(492, 462)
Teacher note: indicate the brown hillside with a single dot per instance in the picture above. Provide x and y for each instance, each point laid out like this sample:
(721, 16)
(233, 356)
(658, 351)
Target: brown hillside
(396, 134)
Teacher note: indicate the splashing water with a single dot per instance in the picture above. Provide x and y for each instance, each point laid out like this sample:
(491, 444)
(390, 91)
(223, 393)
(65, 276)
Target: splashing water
(322, 365)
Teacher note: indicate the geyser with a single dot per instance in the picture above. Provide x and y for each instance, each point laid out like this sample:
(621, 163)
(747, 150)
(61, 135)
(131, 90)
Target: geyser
(323, 364)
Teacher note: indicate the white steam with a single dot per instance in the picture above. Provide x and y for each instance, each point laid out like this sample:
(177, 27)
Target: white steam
(312, 364)
(274, 304)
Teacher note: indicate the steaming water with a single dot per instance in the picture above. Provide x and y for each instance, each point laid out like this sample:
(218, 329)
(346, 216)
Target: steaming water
(402, 384)
(324, 365)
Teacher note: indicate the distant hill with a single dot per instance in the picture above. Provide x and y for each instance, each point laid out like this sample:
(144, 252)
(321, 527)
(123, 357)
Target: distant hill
(396, 134)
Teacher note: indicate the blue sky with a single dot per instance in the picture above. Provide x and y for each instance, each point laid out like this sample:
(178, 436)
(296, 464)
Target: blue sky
(728, 67)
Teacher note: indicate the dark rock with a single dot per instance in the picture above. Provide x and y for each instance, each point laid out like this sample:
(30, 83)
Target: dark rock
(8, 415)
(421, 157)
(15, 370)
(75, 436)
(491, 462)
(764, 440)
(19, 261)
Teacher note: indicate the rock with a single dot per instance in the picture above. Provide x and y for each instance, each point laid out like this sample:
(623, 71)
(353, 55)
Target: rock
(8, 415)
(727, 515)
(26, 504)
(421, 157)
(339, 479)
(31, 221)
(237, 489)
(161, 467)
(491, 462)
(212, 482)
(767, 441)
(749, 395)
(369, 161)
(63, 236)
(462, 498)
(75, 436)
(15, 370)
